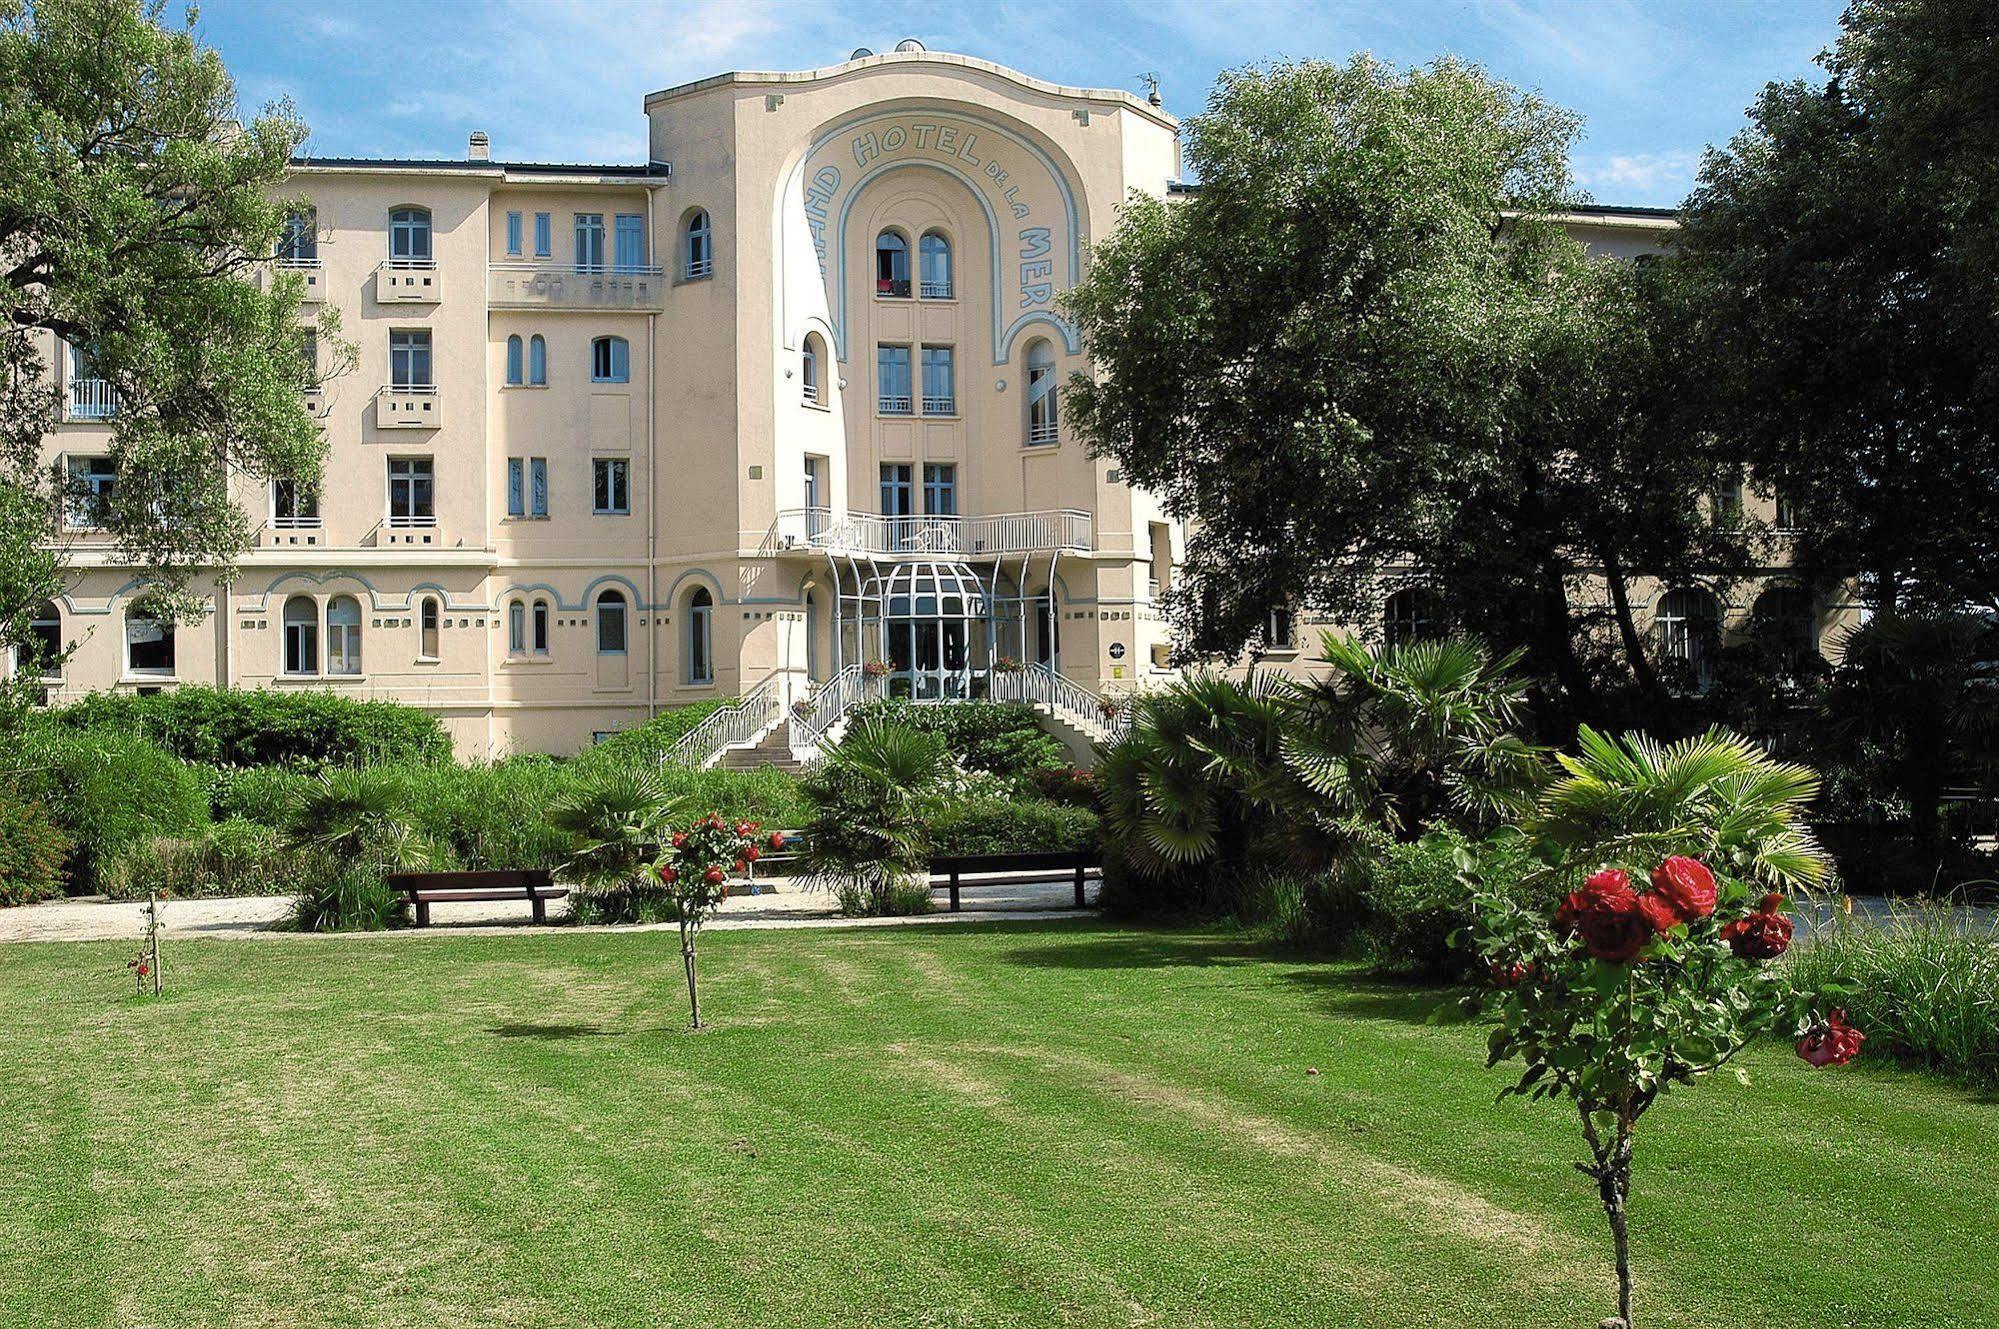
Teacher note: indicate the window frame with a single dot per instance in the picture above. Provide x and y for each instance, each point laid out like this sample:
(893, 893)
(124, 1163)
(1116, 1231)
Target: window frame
(343, 639)
(611, 486)
(44, 624)
(429, 628)
(407, 225)
(301, 637)
(411, 350)
(940, 489)
(697, 246)
(616, 357)
(889, 260)
(928, 285)
(699, 638)
(607, 613)
(516, 361)
(893, 403)
(1044, 422)
(169, 670)
(932, 356)
(587, 233)
(516, 236)
(544, 235)
(416, 478)
(537, 361)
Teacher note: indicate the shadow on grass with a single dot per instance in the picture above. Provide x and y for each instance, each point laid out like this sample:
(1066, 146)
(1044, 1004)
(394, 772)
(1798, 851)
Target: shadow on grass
(549, 1032)
(1354, 994)
(1148, 951)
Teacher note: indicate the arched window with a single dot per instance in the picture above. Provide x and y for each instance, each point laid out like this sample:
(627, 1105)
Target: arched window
(700, 636)
(537, 361)
(429, 617)
(610, 360)
(541, 616)
(891, 264)
(343, 635)
(1786, 618)
(301, 635)
(611, 623)
(516, 362)
(517, 628)
(1410, 614)
(1688, 622)
(149, 644)
(934, 253)
(41, 654)
(1044, 419)
(813, 392)
(409, 235)
(698, 246)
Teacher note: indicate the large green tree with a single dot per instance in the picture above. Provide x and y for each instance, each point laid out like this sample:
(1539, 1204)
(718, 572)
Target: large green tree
(1848, 245)
(135, 210)
(1366, 349)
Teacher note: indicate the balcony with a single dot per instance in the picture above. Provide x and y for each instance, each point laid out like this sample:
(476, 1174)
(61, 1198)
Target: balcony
(312, 278)
(559, 286)
(870, 535)
(940, 405)
(935, 290)
(1043, 431)
(888, 404)
(407, 406)
(91, 399)
(408, 281)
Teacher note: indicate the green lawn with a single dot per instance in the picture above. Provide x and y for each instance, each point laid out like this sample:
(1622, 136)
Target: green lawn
(1071, 1125)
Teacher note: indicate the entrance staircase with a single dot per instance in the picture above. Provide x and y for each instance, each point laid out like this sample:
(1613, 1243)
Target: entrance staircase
(773, 749)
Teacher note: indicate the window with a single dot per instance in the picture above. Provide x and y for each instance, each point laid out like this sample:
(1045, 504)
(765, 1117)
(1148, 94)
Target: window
(698, 248)
(41, 653)
(898, 497)
(343, 635)
(611, 623)
(892, 375)
(934, 254)
(537, 361)
(544, 235)
(940, 489)
(814, 394)
(1787, 513)
(514, 234)
(308, 359)
(891, 264)
(589, 241)
(516, 361)
(1409, 615)
(611, 486)
(92, 483)
(428, 618)
(411, 493)
(610, 360)
(1280, 631)
(292, 505)
(149, 644)
(540, 619)
(631, 241)
(1785, 618)
(298, 243)
(409, 236)
(1688, 622)
(91, 396)
(301, 635)
(700, 636)
(527, 486)
(1728, 500)
(1043, 415)
(939, 395)
(517, 628)
(409, 358)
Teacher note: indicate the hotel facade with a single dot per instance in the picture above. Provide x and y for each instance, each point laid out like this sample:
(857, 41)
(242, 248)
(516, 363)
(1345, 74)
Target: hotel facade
(777, 416)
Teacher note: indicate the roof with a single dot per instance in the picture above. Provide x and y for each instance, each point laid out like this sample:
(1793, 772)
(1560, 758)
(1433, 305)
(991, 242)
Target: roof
(473, 166)
(1606, 212)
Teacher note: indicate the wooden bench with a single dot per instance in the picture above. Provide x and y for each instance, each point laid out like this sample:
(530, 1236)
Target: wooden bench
(423, 889)
(1018, 870)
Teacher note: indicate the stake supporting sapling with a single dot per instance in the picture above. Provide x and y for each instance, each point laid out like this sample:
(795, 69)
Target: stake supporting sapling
(694, 867)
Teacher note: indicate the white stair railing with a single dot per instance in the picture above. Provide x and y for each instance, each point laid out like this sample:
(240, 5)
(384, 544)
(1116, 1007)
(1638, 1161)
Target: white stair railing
(744, 721)
(1038, 685)
(831, 702)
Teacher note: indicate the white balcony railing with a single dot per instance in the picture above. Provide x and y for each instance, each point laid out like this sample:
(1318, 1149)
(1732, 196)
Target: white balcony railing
(577, 286)
(940, 405)
(936, 290)
(870, 534)
(409, 521)
(408, 281)
(895, 405)
(1042, 431)
(92, 399)
(310, 523)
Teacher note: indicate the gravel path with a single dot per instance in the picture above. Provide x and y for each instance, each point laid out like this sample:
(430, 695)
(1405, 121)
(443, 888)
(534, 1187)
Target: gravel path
(780, 905)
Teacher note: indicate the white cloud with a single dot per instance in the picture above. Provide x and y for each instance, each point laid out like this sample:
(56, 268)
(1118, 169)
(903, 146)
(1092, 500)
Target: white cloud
(1640, 176)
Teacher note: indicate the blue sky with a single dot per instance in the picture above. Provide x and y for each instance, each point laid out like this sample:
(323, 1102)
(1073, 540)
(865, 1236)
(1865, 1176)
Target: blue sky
(563, 80)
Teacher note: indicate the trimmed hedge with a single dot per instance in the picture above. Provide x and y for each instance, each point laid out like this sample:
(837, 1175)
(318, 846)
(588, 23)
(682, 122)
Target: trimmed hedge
(263, 727)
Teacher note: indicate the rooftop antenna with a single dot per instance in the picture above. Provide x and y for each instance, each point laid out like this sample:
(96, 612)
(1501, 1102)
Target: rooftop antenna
(1151, 82)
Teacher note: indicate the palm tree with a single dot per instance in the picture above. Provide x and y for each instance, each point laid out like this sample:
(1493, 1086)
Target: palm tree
(615, 824)
(867, 834)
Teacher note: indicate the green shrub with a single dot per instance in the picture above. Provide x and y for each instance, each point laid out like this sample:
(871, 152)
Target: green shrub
(1004, 738)
(32, 851)
(265, 727)
(900, 899)
(766, 795)
(1413, 898)
(233, 857)
(263, 794)
(647, 744)
(1011, 826)
(107, 790)
(1923, 984)
(347, 897)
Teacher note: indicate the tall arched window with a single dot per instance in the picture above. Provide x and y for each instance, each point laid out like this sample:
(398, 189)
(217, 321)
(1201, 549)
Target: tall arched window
(517, 628)
(301, 635)
(537, 361)
(610, 360)
(700, 636)
(409, 235)
(611, 623)
(516, 362)
(343, 635)
(891, 264)
(1044, 418)
(429, 616)
(934, 254)
(1688, 622)
(542, 612)
(1410, 614)
(41, 654)
(811, 370)
(697, 246)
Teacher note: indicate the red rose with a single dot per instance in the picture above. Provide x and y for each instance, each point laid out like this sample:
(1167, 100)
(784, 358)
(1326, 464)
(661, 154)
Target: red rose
(1615, 930)
(1762, 935)
(1682, 891)
(679, 839)
(713, 876)
(752, 853)
(1611, 885)
(1833, 1043)
(667, 874)
(1509, 975)
(741, 867)
(744, 828)
(776, 841)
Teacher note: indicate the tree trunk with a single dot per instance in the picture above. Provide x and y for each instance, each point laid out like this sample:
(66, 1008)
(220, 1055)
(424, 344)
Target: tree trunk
(687, 962)
(1627, 627)
(1556, 639)
(1614, 1186)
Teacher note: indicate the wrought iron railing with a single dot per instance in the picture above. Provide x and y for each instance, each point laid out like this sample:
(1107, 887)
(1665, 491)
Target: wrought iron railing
(743, 721)
(953, 536)
(1038, 685)
(830, 703)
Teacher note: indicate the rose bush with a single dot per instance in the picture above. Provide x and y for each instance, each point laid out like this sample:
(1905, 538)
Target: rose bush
(694, 869)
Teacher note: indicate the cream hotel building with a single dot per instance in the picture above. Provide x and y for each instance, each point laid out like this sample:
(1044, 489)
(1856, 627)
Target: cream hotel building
(775, 416)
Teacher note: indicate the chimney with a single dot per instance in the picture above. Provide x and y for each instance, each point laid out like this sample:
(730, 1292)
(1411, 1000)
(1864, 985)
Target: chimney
(477, 150)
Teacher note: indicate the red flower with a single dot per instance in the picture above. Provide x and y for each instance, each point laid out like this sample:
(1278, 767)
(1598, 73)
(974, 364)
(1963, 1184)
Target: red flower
(745, 829)
(679, 839)
(1762, 935)
(776, 841)
(1615, 929)
(1682, 891)
(1833, 1043)
(752, 853)
(713, 876)
(1611, 887)
(741, 867)
(667, 874)
(1509, 975)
